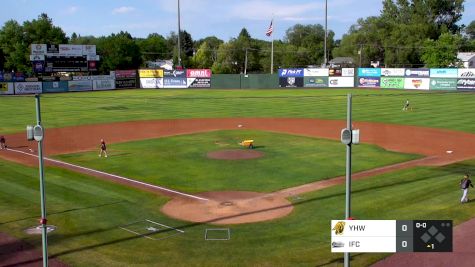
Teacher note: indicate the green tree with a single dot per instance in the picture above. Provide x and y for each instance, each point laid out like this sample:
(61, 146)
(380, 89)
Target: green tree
(204, 57)
(442, 53)
(42, 31)
(309, 38)
(153, 47)
(470, 30)
(14, 47)
(396, 37)
(119, 51)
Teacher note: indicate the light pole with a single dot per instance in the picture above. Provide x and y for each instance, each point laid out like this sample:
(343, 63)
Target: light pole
(179, 33)
(325, 42)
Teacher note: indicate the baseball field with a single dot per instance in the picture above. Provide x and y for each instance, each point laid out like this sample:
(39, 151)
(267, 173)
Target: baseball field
(178, 190)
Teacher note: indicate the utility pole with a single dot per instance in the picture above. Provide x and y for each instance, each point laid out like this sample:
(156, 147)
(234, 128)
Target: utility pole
(179, 34)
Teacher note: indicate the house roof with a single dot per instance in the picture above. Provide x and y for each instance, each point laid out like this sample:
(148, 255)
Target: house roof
(465, 56)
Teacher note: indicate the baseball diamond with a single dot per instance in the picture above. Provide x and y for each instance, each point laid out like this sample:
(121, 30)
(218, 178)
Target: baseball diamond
(191, 174)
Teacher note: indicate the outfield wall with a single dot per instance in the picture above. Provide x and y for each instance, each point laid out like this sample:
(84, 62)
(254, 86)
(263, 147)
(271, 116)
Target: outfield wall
(380, 78)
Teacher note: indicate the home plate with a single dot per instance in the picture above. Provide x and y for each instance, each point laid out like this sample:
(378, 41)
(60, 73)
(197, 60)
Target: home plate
(449, 151)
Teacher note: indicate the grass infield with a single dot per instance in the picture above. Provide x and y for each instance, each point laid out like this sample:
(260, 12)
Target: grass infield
(181, 162)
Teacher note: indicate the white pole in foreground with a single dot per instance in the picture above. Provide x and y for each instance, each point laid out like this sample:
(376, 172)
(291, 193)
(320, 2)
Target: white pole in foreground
(348, 174)
(43, 221)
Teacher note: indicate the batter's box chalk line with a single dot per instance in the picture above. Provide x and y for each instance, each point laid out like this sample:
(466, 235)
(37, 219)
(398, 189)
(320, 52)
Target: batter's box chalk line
(224, 232)
(148, 228)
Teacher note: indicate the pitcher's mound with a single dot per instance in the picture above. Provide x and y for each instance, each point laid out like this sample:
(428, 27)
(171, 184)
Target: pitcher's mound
(235, 154)
(230, 207)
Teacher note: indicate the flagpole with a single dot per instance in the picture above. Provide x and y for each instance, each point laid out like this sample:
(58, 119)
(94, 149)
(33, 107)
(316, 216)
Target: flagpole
(272, 48)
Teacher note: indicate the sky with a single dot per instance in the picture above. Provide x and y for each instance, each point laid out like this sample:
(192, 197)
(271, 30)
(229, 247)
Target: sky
(201, 18)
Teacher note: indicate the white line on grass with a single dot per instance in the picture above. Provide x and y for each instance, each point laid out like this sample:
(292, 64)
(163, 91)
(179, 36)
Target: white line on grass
(113, 175)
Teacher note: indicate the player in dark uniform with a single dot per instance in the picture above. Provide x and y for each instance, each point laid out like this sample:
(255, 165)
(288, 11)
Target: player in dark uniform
(2, 142)
(103, 149)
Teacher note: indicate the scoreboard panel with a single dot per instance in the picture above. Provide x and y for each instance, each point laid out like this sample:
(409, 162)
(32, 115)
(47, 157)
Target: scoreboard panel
(391, 235)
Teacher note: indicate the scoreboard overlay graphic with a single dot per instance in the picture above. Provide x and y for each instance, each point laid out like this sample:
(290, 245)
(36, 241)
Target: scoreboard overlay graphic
(391, 236)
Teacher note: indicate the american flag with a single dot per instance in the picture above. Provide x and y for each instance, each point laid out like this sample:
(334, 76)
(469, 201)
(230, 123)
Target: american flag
(270, 29)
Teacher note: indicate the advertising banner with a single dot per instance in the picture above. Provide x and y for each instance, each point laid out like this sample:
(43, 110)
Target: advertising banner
(466, 84)
(393, 72)
(38, 49)
(92, 65)
(371, 82)
(443, 73)
(82, 78)
(314, 72)
(198, 73)
(89, 50)
(335, 72)
(101, 77)
(417, 83)
(37, 57)
(6, 88)
(52, 49)
(172, 82)
(22, 88)
(70, 50)
(55, 87)
(1, 76)
(392, 82)
(291, 73)
(121, 74)
(199, 82)
(466, 73)
(8, 76)
(347, 72)
(369, 72)
(443, 84)
(93, 57)
(174, 73)
(291, 82)
(151, 83)
(151, 73)
(335, 82)
(417, 73)
(19, 77)
(102, 84)
(124, 83)
(38, 66)
(76, 86)
(315, 82)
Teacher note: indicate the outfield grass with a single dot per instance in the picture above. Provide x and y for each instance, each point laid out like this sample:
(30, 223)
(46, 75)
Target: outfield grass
(181, 162)
(431, 109)
(88, 212)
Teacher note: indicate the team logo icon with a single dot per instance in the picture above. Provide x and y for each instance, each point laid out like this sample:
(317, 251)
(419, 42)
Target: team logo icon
(291, 80)
(339, 228)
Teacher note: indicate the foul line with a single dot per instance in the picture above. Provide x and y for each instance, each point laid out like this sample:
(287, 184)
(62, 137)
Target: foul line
(112, 175)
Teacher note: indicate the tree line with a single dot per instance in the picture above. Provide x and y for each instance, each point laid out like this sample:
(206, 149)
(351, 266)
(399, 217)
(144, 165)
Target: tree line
(406, 33)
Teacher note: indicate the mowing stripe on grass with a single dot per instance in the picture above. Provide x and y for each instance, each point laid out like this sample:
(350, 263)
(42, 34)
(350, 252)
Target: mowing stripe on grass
(112, 175)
